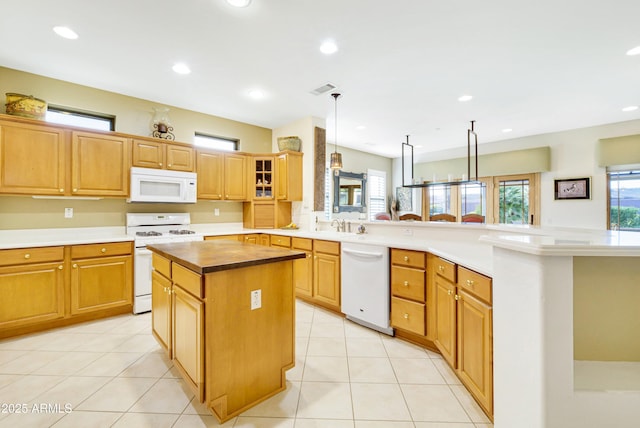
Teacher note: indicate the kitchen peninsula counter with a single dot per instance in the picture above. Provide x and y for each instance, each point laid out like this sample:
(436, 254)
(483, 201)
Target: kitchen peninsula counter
(224, 311)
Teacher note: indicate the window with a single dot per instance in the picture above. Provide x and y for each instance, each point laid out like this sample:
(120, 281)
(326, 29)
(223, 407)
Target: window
(511, 199)
(624, 200)
(377, 189)
(84, 119)
(440, 200)
(216, 143)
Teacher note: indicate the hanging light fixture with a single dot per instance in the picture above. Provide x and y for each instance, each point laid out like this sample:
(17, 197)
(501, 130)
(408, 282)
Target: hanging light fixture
(336, 158)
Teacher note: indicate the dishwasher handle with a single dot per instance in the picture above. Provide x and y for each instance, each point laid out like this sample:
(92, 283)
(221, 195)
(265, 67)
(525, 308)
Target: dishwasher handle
(366, 254)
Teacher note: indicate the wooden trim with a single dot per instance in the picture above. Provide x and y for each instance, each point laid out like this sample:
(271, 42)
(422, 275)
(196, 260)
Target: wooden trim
(319, 165)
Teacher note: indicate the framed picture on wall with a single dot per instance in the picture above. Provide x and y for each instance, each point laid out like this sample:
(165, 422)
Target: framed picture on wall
(573, 188)
(404, 198)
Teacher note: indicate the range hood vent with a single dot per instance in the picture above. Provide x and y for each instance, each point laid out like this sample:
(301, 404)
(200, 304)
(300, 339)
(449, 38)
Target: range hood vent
(323, 89)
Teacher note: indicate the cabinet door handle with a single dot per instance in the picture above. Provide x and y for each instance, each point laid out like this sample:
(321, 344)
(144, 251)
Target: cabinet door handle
(470, 282)
(60, 267)
(160, 164)
(458, 297)
(169, 165)
(61, 190)
(449, 292)
(219, 196)
(406, 316)
(406, 283)
(27, 256)
(75, 266)
(103, 250)
(309, 256)
(441, 268)
(75, 190)
(406, 258)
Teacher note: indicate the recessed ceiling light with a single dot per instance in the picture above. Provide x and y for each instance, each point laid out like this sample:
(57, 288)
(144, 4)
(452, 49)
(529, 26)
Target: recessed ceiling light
(634, 51)
(328, 47)
(239, 3)
(256, 94)
(65, 32)
(630, 108)
(181, 68)
(465, 98)
(361, 127)
(507, 130)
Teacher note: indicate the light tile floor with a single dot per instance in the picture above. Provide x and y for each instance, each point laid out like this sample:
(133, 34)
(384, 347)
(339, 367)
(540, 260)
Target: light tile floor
(112, 373)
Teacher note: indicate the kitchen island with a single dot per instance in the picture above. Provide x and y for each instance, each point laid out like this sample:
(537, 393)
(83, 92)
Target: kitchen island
(224, 311)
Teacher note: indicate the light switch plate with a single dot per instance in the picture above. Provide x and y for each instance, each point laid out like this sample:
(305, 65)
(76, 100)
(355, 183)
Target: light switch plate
(256, 299)
(68, 213)
(216, 212)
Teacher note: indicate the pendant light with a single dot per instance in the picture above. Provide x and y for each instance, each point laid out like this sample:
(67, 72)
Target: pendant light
(336, 158)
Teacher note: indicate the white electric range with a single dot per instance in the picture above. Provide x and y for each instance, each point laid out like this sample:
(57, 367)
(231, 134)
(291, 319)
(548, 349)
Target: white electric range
(148, 229)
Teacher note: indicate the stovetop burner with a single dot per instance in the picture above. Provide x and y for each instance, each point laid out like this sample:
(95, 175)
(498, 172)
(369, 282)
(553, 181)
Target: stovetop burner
(149, 233)
(181, 232)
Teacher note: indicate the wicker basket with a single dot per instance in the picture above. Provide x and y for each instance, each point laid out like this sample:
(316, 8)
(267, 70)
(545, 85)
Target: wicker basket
(289, 143)
(26, 106)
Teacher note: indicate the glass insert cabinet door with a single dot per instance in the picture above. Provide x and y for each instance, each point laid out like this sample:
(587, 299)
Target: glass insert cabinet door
(349, 192)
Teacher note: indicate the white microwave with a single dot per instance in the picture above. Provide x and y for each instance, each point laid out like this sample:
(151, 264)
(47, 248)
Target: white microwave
(160, 185)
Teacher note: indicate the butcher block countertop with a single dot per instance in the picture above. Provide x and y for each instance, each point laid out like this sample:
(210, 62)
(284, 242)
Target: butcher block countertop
(213, 256)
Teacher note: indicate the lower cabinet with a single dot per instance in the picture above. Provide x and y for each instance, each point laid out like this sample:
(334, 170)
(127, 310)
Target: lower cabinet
(46, 287)
(161, 310)
(177, 313)
(101, 277)
(303, 268)
(31, 293)
(326, 273)
(464, 325)
(408, 291)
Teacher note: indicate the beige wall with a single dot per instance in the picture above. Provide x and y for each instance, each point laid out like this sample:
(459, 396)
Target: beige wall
(133, 116)
(605, 308)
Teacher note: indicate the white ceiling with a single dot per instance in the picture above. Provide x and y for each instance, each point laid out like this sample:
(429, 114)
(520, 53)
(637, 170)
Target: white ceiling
(533, 66)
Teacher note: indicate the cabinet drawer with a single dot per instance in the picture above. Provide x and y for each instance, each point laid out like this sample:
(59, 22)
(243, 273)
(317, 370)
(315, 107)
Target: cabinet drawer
(20, 256)
(408, 315)
(445, 269)
(414, 259)
(161, 265)
(99, 250)
(475, 283)
(302, 244)
(281, 241)
(408, 283)
(188, 280)
(327, 247)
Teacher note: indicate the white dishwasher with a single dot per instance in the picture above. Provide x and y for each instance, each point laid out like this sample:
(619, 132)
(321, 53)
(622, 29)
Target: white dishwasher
(365, 285)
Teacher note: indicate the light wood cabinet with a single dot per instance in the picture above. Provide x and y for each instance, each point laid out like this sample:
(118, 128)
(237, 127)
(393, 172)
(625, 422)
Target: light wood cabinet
(33, 159)
(161, 290)
(408, 291)
(280, 241)
(101, 277)
(162, 155)
(464, 323)
(46, 287)
(187, 327)
(326, 273)
(221, 176)
(265, 214)
(31, 286)
(263, 175)
(251, 238)
(475, 336)
(288, 176)
(99, 165)
(303, 268)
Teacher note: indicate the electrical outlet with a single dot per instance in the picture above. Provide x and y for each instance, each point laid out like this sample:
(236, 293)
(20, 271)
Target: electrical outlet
(407, 232)
(256, 299)
(68, 213)
(216, 212)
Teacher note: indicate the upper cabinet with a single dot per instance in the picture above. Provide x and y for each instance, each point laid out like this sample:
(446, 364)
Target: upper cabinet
(221, 176)
(100, 165)
(263, 175)
(46, 160)
(289, 176)
(161, 155)
(33, 159)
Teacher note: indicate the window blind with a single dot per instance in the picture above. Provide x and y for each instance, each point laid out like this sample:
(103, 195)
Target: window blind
(377, 189)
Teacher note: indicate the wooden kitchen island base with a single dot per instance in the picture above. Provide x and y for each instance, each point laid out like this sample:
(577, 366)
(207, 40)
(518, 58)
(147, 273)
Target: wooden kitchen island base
(230, 345)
